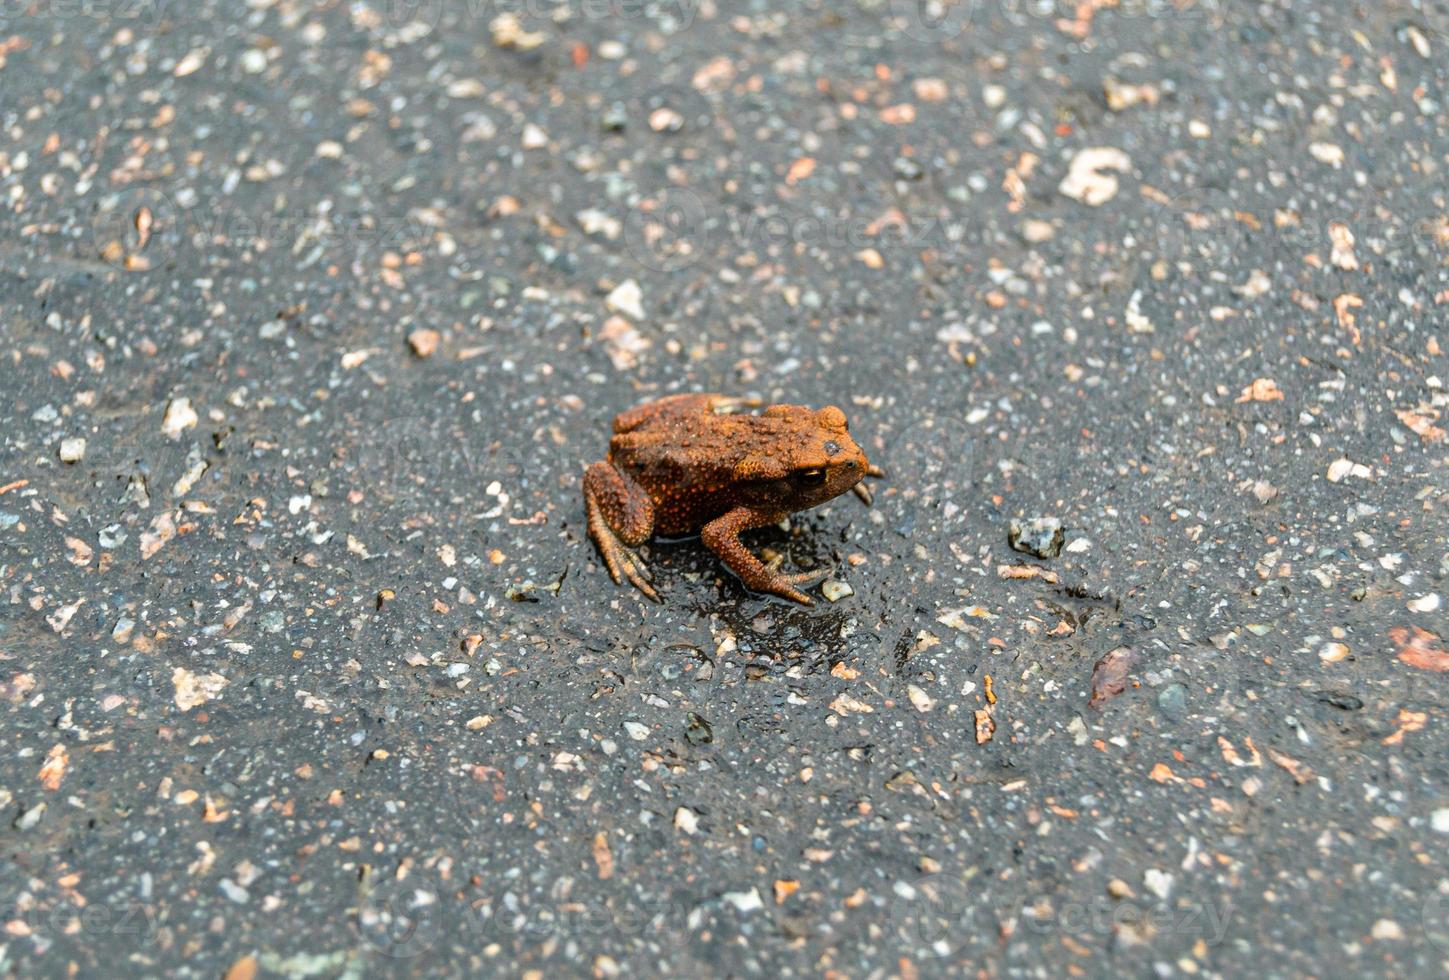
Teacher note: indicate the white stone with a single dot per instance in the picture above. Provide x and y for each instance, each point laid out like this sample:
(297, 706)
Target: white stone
(749, 901)
(1425, 603)
(920, 698)
(1089, 178)
(628, 299)
(179, 417)
(1158, 882)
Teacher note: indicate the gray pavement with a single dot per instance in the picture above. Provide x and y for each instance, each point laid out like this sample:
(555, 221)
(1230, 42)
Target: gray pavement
(313, 314)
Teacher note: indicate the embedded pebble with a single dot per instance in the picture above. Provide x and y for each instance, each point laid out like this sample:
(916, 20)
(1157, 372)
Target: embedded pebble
(627, 298)
(72, 450)
(253, 61)
(1172, 702)
(1038, 536)
(424, 341)
(180, 416)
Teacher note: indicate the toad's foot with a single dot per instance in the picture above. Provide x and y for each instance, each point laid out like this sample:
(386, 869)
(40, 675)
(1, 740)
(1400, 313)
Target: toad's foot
(798, 578)
(621, 561)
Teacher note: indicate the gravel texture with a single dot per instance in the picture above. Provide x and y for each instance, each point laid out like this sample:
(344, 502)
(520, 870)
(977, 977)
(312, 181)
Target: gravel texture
(312, 314)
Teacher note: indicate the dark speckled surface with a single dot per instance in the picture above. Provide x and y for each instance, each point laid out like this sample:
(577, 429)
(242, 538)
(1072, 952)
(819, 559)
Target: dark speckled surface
(307, 667)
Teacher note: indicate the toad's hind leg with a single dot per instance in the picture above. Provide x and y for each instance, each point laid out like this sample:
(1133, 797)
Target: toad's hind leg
(621, 515)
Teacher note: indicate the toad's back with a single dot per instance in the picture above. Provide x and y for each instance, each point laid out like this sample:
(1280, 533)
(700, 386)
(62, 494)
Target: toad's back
(690, 465)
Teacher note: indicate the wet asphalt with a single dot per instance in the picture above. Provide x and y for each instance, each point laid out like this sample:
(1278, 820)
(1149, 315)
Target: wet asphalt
(314, 313)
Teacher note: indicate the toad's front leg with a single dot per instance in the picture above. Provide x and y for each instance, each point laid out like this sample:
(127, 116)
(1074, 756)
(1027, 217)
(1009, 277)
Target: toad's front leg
(621, 515)
(722, 536)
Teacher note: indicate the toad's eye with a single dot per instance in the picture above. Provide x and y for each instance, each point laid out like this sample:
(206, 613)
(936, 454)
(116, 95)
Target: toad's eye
(811, 477)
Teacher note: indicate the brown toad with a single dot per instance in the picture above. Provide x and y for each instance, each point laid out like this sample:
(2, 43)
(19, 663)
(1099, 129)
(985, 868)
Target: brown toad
(684, 464)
